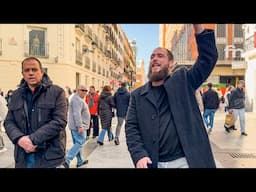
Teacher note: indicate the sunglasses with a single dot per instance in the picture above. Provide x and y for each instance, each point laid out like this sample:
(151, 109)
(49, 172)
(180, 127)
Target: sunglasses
(84, 90)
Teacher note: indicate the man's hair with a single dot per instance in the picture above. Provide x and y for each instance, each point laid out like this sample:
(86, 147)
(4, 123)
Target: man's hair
(123, 84)
(32, 58)
(170, 55)
(209, 85)
(106, 88)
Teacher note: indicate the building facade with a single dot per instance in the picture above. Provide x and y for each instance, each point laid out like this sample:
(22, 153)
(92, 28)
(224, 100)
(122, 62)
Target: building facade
(230, 67)
(72, 54)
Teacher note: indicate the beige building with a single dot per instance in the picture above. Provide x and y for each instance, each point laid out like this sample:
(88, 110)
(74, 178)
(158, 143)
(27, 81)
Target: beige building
(230, 67)
(140, 74)
(71, 54)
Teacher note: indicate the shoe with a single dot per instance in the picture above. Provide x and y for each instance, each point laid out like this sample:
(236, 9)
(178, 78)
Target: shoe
(209, 130)
(100, 143)
(94, 137)
(244, 134)
(85, 162)
(116, 141)
(233, 127)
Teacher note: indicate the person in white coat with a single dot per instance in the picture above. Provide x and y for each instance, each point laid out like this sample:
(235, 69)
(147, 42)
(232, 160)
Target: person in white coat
(3, 113)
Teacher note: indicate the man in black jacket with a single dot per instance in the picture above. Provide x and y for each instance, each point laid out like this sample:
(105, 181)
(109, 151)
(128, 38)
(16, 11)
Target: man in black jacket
(211, 104)
(36, 119)
(164, 127)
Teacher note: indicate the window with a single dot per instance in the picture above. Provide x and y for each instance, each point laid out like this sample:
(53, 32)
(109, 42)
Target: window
(221, 30)
(221, 52)
(238, 31)
(77, 79)
(37, 43)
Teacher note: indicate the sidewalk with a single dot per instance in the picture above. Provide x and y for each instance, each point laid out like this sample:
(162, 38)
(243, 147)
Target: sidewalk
(231, 149)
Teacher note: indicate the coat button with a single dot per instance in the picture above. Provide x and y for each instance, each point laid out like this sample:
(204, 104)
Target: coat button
(153, 116)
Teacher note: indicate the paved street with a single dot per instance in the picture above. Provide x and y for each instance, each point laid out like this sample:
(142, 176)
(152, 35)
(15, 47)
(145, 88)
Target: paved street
(231, 150)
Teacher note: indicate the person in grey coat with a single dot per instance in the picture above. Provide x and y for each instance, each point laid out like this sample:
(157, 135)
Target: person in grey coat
(36, 119)
(164, 127)
(78, 122)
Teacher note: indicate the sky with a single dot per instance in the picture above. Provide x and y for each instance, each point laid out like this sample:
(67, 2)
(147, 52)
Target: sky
(147, 39)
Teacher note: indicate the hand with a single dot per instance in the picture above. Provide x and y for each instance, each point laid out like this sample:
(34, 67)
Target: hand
(143, 162)
(198, 28)
(81, 130)
(26, 143)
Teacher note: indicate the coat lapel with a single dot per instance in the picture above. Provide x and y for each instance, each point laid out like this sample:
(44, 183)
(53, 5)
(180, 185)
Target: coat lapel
(148, 94)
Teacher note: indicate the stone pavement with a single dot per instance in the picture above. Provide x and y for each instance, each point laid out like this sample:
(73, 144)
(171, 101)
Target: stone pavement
(231, 150)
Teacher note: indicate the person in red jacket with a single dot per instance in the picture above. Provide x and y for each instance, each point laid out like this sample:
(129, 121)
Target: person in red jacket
(92, 100)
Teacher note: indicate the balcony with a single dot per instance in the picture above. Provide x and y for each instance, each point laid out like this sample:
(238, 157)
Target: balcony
(88, 32)
(79, 29)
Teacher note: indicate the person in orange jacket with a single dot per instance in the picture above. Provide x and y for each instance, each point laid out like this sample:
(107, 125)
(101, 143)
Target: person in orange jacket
(92, 100)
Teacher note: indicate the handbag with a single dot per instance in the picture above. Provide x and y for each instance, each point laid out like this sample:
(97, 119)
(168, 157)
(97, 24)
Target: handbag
(229, 120)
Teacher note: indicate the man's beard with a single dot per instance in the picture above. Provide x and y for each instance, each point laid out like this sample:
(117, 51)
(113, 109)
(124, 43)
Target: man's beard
(158, 76)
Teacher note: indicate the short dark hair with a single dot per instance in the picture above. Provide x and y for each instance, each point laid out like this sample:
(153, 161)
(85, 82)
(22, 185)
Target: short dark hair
(123, 84)
(32, 58)
(209, 85)
(170, 55)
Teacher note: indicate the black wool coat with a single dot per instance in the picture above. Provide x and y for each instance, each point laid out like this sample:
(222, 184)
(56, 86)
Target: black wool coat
(142, 123)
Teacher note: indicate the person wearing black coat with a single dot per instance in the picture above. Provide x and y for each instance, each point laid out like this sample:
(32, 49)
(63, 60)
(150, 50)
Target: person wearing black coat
(36, 119)
(122, 99)
(164, 127)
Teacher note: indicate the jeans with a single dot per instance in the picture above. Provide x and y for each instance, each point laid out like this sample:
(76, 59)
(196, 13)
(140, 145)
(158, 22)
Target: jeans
(102, 135)
(120, 122)
(209, 117)
(76, 150)
(94, 123)
(241, 114)
(30, 160)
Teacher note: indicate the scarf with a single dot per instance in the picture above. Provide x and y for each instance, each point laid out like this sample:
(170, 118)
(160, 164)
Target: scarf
(91, 103)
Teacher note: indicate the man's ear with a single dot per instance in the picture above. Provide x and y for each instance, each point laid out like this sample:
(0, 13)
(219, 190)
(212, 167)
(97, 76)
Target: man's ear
(172, 65)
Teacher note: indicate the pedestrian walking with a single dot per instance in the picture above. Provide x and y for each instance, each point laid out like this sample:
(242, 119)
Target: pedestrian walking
(121, 99)
(78, 123)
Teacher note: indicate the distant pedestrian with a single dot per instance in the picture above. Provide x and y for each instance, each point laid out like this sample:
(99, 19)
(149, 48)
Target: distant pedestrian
(78, 123)
(92, 99)
(211, 104)
(237, 105)
(8, 96)
(3, 113)
(121, 98)
(106, 103)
